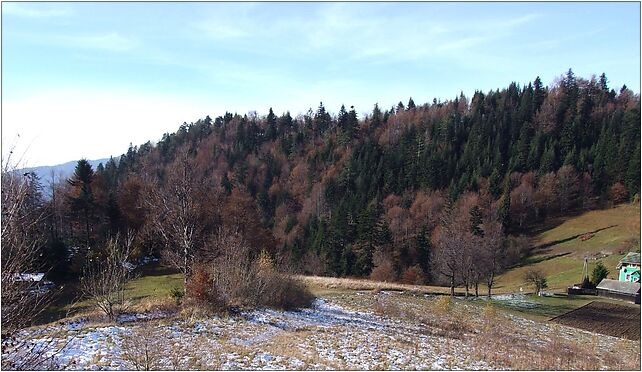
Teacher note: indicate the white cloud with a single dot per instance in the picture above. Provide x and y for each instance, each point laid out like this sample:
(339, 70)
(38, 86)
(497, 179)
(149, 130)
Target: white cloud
(59, 126)
(374, 34)
(111, 41)
(19, 9)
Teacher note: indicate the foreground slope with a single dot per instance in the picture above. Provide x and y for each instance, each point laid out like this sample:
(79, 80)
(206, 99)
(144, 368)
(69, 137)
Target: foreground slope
(349, 330)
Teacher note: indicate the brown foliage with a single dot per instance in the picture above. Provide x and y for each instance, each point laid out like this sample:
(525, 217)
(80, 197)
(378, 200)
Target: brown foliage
(238, 278)
(618, 193)
(241, 213)
(383, 270)
(413, 275)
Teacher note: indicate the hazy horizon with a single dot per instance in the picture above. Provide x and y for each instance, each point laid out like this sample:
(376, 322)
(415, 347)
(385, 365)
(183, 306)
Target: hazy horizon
(87, 79)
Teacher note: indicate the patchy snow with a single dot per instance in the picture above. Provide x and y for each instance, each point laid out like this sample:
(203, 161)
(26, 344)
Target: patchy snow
(329, 335)
(133, 317)
(29, 277)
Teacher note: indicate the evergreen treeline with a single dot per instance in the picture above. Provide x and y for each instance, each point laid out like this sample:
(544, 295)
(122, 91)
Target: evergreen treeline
(350, 196)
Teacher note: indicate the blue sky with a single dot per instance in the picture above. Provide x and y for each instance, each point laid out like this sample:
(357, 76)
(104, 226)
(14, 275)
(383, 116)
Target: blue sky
(86, 79)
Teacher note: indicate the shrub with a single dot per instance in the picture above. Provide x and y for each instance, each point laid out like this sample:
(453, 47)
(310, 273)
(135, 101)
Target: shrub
(384, 270)
(236, 280)
(443, 305)
(177, 295)
(140, 349)
(618, 193)
(285, 292)
(201, 291)
(104, 278)
(413, 275)
(536, 278)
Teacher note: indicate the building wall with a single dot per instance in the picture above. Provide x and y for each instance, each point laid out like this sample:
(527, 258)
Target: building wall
(629, 274)
(619, 296)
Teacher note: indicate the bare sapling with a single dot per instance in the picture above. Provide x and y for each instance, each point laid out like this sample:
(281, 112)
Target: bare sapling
(104, 278)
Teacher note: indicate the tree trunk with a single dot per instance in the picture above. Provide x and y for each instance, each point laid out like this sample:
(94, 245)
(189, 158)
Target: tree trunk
(466, 285)
(452, 286)
(87, 226)
(185, 266)
(489, 283)
(476, 289)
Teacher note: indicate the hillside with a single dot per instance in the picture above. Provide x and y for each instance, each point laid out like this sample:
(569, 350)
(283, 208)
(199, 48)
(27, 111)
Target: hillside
(406, 194)
(560, 250)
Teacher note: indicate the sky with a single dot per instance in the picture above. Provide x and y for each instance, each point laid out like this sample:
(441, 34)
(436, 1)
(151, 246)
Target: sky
(87, 79)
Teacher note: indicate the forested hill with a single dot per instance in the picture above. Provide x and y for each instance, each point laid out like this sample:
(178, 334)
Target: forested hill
(345, 195)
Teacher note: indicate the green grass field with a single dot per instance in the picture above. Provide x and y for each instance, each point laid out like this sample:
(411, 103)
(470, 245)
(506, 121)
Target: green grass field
(153, 282)
(561, 253)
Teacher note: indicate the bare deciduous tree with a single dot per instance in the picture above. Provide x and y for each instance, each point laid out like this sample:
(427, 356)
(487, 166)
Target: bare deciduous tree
(447, 257)
(22, 298)
(179, 213)
(104, 278)
(21, 301)
(492, 252)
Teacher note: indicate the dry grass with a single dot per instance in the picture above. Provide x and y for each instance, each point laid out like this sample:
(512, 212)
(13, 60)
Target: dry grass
(322, 284)
(517, 344)
(165, 305)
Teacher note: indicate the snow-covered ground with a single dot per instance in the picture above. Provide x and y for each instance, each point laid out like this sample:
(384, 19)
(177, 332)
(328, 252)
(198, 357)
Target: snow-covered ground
(336, 333)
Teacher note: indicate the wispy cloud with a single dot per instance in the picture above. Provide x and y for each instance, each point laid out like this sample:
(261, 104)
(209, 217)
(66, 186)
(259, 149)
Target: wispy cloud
(34, 11)
(111, 41)
(352, 32)
(220, 31)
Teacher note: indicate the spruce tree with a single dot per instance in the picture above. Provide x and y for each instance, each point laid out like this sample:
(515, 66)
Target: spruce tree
(82, 198)
(411, 104)
(271, 130)
(476, 221)
(503, 214)
(424, 250)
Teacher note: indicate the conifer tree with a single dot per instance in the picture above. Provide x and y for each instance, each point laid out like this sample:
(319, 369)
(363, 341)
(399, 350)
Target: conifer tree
(503, 214)
(271, 131)
(411, 104)
(82, 198)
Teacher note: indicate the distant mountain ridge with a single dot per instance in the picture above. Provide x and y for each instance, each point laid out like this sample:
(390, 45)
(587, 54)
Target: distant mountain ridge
(61, 171)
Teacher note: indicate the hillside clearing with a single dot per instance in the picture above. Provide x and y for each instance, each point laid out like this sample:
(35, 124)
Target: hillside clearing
(560, 251)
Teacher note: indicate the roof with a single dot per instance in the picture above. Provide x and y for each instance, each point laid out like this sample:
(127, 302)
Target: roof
(630, 258)
(618, 286)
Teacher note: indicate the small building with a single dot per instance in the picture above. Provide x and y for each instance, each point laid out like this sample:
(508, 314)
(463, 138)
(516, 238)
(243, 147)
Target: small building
(629, 268)
(621, 290)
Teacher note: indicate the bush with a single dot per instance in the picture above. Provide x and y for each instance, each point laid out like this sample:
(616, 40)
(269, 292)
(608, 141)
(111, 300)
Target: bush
(284, 292)
(384, 270)
(413, 275)
(201, 292)
(443, 305)
(236, 280)
(140, 349)
(104, 278)
(536, 278)
(177, 295)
